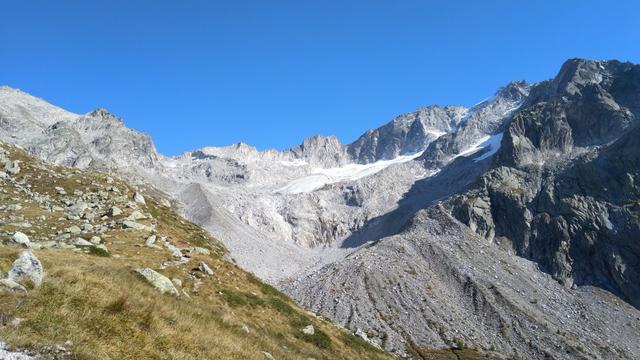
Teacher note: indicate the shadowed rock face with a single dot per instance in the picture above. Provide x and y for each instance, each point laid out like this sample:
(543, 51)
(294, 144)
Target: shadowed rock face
(564, 191)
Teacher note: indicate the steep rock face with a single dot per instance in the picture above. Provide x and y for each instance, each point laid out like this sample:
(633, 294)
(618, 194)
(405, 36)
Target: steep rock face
(483, 120)
(564, 189)
(406, 134)
(97, 139)
(326, 151)
(23, 116)
(108, 137)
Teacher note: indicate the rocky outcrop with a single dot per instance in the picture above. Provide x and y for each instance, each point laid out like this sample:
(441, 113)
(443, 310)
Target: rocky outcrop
(407, 134)
(563, 191)
(486, 118)
(325, 151)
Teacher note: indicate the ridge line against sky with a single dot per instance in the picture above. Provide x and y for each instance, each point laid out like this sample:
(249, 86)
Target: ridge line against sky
(273, 73)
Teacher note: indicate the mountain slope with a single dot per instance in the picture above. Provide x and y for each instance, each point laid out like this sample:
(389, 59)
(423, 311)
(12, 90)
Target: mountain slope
(92, 234)
(559, 190)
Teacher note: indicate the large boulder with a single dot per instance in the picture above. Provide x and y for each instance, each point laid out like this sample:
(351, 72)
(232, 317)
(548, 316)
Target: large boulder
(27, 267)
(159, 281)
(138, 198)
(114, 211)
(136, 226)
(12, 167)
(19, 239)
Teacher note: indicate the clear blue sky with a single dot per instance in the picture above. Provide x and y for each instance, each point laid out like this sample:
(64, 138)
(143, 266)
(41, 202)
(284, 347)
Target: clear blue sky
(269, 73)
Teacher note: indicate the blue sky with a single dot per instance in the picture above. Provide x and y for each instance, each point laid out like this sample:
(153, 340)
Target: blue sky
(269, 73)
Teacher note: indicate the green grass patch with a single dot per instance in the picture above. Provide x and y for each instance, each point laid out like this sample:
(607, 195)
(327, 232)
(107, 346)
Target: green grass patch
(239, 298)
(319, 338)
(281, 306)
(357, 343)
(94, 250)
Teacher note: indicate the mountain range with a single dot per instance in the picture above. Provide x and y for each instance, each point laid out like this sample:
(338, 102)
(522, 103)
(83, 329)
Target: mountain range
(510, 226)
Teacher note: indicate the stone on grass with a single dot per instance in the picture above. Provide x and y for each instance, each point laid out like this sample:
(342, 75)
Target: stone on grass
(136, 215)
(11, 285)
(14, 207)
(151, 240)
(78, 208)
(102, 247)
(73, 230)
(19, 239)
(159, 281)
(12, 167)
(138, 198)
(134, 225)
(204, 268)
(114, 211)
(80, 242)
(27, 267)
(200, 250)
(308, 330)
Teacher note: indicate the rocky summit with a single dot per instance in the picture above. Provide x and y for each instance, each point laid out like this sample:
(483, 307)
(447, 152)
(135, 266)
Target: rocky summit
(505, 230)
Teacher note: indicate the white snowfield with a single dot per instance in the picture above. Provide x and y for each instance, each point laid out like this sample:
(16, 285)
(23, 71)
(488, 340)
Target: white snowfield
(491, 141)
(321, 177)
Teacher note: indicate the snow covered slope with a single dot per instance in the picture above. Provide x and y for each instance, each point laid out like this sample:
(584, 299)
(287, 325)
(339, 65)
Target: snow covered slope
(321, 177)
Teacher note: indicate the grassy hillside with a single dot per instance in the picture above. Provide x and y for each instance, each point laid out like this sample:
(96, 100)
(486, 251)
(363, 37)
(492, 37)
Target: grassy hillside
(94, 304)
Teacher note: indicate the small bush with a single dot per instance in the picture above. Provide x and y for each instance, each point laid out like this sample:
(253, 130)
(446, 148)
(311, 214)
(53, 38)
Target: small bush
(271, 291)
(94, 250)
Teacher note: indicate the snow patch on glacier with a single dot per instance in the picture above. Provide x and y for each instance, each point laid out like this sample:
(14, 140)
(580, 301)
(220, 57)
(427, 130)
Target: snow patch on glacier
(321, 177)
(490, 141)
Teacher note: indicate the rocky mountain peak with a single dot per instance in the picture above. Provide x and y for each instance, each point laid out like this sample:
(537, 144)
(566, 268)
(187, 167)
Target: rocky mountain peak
(104, 114)
(406, 134)
(323, 150)
(514, 91)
